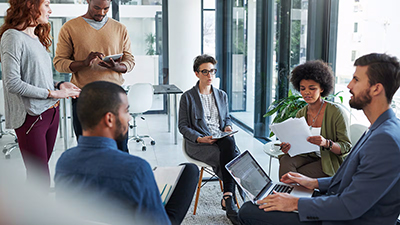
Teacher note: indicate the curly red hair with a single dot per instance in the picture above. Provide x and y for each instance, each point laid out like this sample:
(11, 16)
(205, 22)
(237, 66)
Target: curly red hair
(24, 13)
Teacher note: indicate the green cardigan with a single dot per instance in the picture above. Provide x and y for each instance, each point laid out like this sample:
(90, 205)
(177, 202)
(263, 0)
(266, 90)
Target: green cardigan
(335, 126)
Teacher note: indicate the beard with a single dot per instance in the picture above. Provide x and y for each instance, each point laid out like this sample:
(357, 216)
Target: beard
(360, 102)
(120, 133)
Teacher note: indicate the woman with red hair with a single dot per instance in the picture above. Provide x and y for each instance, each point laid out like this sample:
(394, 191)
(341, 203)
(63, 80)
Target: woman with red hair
(30, 94)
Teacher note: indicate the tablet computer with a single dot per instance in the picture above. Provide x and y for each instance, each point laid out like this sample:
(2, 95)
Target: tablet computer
(114, 57)
(224, 134)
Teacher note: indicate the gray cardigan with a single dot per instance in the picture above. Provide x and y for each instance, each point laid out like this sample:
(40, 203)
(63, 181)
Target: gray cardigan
(192, 125)
(27, 74)
(191, 115)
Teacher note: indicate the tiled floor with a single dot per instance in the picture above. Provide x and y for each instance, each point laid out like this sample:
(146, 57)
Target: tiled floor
(164, 153)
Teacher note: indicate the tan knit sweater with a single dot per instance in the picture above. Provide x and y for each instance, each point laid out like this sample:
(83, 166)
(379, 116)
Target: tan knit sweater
(77, 39)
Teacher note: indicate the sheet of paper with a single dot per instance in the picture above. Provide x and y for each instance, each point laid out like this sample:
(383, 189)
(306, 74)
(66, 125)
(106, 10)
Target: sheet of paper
(295, 131)
(166, 179)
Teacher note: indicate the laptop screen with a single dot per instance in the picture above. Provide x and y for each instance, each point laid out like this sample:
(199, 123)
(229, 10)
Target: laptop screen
(249, 174)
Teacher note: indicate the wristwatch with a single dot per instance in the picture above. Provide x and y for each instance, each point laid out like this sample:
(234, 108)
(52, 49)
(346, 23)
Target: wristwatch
(330, 144)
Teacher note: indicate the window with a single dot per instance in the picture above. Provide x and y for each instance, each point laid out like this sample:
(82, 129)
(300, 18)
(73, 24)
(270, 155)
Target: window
(208, 18)
(380, 37)
(243, 61)
(144, 24)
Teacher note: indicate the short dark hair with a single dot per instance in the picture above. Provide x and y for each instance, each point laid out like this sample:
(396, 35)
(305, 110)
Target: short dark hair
(95, 100)
(202, 59)
(315, 70)
(383, 69)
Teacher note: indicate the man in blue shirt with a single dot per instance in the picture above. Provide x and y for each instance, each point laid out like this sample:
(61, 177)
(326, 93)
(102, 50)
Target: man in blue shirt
(96, 172)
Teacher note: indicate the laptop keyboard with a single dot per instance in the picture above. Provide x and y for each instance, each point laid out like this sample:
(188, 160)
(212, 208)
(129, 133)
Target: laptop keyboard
(281, 188)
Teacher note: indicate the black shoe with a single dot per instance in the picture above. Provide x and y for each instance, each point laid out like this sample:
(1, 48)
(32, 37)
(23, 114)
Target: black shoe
(224, 207)
(231, 209)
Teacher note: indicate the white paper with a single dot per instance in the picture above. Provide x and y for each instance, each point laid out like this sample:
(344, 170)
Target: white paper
(295, 132)
(167, 176)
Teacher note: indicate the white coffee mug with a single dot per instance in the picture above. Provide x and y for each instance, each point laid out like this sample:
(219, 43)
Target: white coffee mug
(277, 146)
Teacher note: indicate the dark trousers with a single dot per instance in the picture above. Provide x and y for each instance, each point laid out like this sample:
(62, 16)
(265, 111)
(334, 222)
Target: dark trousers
(251, 214)
(227, 148)
(180, 200)
(36, 139)
(122, 145)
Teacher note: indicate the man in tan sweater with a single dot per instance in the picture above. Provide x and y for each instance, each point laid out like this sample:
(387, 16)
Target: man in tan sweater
(82, 44)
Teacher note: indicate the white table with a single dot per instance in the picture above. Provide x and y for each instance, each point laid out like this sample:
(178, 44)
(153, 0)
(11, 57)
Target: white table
(272, 153)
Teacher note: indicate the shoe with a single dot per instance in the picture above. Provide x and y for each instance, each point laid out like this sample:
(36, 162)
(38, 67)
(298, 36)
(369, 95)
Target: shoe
(231, 209)
(222, 206)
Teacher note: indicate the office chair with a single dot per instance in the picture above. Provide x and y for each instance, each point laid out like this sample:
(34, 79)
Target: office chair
(140, 97)
(9, 147)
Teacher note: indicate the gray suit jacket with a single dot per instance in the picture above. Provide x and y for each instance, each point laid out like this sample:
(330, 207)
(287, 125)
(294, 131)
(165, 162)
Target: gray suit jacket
(366, 188)
(192, 125)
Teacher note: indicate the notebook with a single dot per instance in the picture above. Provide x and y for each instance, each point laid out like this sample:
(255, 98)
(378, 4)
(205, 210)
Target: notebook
(166, 179)
(255, 182)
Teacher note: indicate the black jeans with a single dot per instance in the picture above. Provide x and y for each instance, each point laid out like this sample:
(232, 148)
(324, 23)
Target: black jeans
(122, 145)
(227, 148)
(180, 200)
(250, 214)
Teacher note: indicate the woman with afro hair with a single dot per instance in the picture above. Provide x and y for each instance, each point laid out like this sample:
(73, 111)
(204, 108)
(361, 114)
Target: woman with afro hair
(327, 121)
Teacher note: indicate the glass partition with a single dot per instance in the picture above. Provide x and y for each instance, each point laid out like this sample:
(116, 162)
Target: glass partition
(243, 61)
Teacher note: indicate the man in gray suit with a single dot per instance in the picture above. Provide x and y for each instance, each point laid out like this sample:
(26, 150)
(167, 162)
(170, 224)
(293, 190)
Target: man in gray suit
(366, 188)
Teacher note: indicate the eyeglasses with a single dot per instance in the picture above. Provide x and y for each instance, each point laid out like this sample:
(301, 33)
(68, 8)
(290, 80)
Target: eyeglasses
(205, 72)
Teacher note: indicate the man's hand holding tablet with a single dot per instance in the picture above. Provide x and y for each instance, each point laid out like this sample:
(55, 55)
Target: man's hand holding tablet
(114, 57)
(112, 62)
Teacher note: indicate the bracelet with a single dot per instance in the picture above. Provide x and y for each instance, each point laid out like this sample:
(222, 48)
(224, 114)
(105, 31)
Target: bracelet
(59, 84)
(48, 96)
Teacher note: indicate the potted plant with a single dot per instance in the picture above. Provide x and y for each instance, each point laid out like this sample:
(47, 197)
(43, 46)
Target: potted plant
(150, 41)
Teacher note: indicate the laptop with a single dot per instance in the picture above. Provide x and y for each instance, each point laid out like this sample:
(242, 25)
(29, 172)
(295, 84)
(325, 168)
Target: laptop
(255, 182)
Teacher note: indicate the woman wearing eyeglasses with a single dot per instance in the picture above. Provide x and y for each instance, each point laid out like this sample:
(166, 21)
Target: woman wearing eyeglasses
(204, 113)
(327, 122)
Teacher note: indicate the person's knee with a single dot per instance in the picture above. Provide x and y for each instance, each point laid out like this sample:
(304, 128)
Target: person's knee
(231, 142)
(284, 159)
(191, 171)
(228, 146)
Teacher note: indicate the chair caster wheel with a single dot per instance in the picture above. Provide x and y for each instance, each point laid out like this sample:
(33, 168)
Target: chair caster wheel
(8, 156)
(137, 141)
(152, 142)
(144, 148)
(4, 150)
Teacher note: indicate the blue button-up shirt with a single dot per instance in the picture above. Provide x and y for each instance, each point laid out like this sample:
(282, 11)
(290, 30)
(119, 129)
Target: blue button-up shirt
(97, 172)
